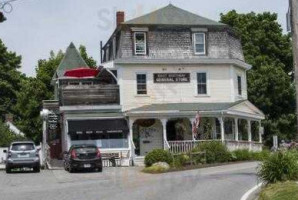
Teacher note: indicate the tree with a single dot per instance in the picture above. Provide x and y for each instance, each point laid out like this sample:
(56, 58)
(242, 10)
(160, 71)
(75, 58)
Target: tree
(270, 87)
(88, 59)
(10, 79)
(6, 136)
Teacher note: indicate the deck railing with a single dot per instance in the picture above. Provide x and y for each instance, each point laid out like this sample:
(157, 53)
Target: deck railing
(184, 146)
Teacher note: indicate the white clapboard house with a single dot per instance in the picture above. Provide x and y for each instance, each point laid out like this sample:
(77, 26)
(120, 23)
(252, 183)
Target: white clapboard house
(158, 71)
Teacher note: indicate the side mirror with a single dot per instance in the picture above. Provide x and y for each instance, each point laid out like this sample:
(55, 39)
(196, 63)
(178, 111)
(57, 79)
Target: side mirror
(4, 151)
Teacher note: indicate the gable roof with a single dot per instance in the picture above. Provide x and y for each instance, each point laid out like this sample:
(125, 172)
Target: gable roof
(172, 15)
(71, 60)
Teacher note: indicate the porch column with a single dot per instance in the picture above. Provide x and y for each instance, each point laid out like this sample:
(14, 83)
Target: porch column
(249, 130)
(261, 129)
(236, 129)
(164, 128)
(222, 128)
(192, 120)
(214, 134)
(130, 138)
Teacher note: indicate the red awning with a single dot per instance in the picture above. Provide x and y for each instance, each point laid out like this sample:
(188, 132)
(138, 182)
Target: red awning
(81, 72)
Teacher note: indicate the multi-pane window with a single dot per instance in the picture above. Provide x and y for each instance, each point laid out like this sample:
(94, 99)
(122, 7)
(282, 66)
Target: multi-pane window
(199, 43)
(202, 83)
(239, 84)
(140, 43)
(141, 84)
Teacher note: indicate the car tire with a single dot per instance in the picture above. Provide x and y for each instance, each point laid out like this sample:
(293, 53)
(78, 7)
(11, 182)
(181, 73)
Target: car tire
(36, 169)
(70, 169)
(99, 169)
(65, 167)
(8, 170)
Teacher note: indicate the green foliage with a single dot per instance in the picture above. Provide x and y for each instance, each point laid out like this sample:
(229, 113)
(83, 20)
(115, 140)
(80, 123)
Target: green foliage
(180, 160)
(10, 79)
(155, 169)
(280, 191)
(7, 136)
(270, 87)
(88, 59)
(279, 166)
(158, 155)
(215, 151)
(241, 155)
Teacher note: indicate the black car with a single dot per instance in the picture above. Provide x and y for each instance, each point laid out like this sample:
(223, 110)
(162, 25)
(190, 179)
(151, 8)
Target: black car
(82, 157)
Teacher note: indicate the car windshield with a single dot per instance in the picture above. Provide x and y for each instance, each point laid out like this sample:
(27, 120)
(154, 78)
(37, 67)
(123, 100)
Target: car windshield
(85, 149)
(22, 147)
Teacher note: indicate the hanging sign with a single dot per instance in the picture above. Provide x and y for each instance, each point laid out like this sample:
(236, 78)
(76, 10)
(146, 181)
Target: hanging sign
(171, 77)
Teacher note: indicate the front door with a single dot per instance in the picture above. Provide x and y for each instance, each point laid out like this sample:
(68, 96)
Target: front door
(150, 138)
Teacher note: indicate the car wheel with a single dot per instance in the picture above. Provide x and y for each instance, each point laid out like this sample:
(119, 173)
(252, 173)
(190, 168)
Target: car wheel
(70, 169)
(36, 169)
(99, 169)
(65, 167)
(8, 170)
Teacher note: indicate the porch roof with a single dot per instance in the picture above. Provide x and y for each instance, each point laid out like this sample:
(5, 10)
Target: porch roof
(242, 108)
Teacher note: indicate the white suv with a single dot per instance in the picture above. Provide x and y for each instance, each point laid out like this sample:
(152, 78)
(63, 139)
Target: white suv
(22, 154)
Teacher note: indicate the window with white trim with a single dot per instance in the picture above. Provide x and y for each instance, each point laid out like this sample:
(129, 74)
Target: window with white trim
(141, 84)
(199, 43)
(202, 82)
(239, 85)
(140, 43)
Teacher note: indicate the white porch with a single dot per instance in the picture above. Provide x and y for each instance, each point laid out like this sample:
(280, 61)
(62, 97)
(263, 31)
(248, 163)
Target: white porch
(238, 125)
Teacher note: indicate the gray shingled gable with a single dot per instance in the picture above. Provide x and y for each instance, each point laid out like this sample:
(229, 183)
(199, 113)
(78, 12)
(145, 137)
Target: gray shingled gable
(172, 15)
(71, 60)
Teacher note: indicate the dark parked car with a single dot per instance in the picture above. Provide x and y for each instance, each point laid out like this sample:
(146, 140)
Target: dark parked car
(22, 154)
(82, 157)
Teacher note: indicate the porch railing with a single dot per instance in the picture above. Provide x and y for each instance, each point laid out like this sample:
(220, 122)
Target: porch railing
(184, 146)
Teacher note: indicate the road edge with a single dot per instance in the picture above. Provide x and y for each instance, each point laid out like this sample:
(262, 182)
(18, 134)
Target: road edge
(247, 195)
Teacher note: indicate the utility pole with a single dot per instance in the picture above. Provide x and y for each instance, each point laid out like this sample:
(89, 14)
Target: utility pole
(293, 23)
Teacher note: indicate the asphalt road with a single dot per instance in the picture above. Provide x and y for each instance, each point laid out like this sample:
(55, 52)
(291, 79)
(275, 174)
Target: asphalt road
(227, 182)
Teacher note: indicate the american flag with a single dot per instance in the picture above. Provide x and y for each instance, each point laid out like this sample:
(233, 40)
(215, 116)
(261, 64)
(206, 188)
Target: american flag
(196, 124)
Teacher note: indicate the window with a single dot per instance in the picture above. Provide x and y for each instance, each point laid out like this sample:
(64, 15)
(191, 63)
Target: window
(141, 84)
(202, 83)
(239, 84)
(199, 43)
(140, 43)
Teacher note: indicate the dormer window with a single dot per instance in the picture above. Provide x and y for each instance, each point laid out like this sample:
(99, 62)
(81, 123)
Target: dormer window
(199, 43)
(140, 43)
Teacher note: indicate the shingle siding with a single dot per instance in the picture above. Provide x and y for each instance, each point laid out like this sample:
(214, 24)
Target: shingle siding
(177, 43)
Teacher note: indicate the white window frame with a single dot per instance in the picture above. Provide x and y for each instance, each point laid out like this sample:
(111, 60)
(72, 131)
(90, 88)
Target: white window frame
(194, 43)
(207, 84)
(135, 43)
(136, 89)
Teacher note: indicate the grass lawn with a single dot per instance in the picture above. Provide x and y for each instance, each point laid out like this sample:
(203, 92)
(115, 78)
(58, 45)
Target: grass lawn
(280, 191)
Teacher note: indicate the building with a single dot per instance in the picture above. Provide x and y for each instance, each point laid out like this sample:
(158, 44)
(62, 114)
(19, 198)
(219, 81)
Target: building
(158, 71)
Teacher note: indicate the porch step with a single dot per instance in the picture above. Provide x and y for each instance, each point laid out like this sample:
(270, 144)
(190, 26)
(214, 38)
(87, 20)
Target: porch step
(139, 161)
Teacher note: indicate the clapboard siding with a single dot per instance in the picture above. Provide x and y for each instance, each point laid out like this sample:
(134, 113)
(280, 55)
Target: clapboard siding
(220, 85)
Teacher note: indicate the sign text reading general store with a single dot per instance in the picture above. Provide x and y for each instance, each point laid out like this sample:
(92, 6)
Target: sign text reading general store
(171, 78)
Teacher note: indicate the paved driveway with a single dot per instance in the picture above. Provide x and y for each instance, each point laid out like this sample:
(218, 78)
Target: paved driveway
(228, 182)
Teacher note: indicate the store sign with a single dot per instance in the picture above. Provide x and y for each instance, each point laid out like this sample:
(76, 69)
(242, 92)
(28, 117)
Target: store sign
(171, 78)
(53, 121)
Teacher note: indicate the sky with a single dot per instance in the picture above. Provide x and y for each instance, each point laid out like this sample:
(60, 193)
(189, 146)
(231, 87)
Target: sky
(35, 27)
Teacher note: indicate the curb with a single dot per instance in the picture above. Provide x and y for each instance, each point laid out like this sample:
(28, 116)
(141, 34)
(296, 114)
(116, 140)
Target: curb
(247, 195)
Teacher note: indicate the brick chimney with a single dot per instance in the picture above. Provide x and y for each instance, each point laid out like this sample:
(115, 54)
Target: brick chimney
(119, 17)
(9, 118)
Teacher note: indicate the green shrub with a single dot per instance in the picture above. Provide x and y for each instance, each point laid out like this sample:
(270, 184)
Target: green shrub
(279, 166)
(260, 155)
(180, 160)
(158, 155)
(215, 151)
(242, 154)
